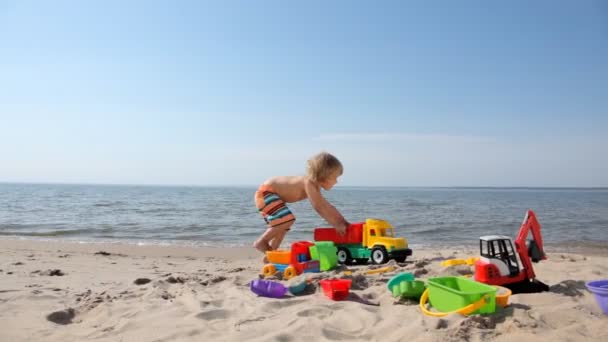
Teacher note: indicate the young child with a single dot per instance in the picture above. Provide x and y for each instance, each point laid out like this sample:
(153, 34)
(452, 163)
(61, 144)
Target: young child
(322, 172)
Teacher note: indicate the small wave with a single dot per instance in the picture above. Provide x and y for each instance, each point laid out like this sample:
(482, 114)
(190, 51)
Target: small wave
(426, 230)
(55, 233)
(109, 204)
(172, 210)
(415, 203)
(601, 244)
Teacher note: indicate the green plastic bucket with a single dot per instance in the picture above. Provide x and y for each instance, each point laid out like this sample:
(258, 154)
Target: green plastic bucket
(447, 294)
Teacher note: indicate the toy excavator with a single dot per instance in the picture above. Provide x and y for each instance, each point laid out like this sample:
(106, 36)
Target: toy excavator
(499, 264)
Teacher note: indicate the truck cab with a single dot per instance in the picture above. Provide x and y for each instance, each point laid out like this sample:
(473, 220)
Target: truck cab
(379, 236)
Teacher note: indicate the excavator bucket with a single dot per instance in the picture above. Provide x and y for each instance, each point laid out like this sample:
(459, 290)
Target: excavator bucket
(534, 251)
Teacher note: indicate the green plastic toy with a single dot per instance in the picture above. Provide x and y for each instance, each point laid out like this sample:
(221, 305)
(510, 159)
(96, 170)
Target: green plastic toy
(448, 294)
(404, 285)
(326, 253)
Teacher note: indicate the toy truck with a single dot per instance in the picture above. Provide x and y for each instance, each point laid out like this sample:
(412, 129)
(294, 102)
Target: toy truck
(373, 239)
(291, 262)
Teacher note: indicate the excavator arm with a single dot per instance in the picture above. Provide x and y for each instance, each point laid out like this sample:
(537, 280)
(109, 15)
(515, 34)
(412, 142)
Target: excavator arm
(535, 252)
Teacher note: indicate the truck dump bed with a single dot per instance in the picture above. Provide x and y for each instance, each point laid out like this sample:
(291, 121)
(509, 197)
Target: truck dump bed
(354, 234)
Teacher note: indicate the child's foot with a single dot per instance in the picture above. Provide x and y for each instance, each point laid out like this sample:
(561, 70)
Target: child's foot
(265, 260)
(261, 246)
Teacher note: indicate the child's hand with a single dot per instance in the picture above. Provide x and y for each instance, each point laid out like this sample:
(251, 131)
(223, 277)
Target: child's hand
(342, 228)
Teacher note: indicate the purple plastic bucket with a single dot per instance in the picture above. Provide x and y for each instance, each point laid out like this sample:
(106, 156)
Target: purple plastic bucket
(600, 289)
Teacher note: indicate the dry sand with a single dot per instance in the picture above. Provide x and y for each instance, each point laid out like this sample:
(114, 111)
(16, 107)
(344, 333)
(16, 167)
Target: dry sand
(58, 291)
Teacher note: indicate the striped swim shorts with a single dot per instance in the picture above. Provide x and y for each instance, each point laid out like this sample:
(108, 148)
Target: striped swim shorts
(272, 207)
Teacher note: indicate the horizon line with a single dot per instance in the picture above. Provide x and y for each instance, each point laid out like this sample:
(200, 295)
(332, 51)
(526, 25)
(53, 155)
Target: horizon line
(505, 187)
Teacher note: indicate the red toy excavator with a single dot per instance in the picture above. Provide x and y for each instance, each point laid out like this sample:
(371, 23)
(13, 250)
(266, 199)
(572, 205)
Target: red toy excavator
(499, 264)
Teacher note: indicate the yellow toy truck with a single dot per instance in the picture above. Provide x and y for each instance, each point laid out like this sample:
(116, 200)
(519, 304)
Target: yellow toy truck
(373, 239)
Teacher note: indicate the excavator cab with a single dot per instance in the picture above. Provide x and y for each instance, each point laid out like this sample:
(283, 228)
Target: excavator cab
(500, 252)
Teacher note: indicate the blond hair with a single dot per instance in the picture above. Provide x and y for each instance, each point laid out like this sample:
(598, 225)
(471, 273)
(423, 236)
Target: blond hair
(323, 165)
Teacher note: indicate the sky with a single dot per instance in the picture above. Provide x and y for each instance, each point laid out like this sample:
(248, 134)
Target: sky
(404, 93)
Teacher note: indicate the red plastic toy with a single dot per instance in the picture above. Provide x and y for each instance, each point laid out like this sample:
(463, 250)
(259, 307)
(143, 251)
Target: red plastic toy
(336, 289)
(353, 234)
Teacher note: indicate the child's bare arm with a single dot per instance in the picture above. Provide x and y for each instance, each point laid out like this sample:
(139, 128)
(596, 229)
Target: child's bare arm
(324, 208)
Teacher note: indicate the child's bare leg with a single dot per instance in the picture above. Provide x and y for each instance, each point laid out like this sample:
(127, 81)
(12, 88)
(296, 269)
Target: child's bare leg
(263, 243)
(272, 238)
(276, 242)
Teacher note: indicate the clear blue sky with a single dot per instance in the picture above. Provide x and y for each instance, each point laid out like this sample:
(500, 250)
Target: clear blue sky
(428, 93)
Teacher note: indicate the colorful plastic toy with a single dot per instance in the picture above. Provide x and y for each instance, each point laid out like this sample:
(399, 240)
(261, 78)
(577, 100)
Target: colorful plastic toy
(381, 270)
(499, 265)
(453, 262)
(267, 288)
(336, 289)
(600, 289)
(404, 285)
(372, 239)
(297, 285)
(374, 271)
(291, 262)
(449, 294)
(502, 300)
(466, 310)
(326, 253)
(502, 296)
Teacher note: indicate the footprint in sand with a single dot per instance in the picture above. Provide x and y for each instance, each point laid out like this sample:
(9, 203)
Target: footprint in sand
(175, 280)
(318, 312)
(280, 304)
(62, 317)
(422, 263)
(216, 303)
(570, 288)
(141, 281)
(213, 280)
(51, 273)
(332, 334)
(213, 314)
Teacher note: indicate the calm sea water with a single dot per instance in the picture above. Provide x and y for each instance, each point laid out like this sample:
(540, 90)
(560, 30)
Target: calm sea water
(227, 216)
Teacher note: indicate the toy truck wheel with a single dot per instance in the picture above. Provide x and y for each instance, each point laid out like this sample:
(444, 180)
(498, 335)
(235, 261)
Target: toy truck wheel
(400, 258)
(379, 255)
(289, 273)
(269, 270)
(344, 256)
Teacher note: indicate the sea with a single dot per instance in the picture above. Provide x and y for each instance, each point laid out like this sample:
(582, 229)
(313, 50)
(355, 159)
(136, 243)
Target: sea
(226, 216)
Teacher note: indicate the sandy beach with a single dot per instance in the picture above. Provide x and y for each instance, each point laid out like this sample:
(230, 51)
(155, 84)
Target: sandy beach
(60, 291)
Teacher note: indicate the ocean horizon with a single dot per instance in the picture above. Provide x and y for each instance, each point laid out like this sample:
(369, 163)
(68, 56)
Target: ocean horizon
(226, 215)
(338, 186)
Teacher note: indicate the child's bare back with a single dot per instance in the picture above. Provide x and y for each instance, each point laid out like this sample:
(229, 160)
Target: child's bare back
(289, 188)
